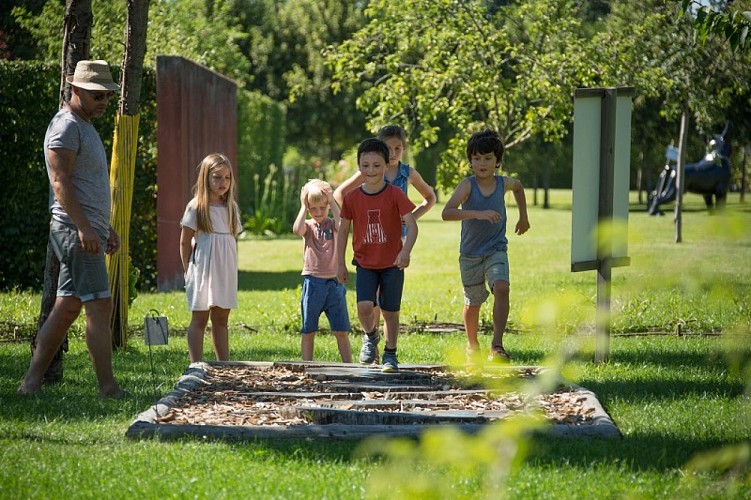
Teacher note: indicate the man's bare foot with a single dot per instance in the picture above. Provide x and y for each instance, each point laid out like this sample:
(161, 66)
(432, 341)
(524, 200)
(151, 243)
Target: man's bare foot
(29, 389)
(111, 393)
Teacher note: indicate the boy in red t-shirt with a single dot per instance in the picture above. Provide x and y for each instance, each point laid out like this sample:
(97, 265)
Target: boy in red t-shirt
(376, 211)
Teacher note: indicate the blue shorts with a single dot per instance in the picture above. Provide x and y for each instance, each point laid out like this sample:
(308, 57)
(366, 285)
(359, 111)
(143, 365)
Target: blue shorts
(386, 283)
(476, 271)
(321, 295)
(82, 274)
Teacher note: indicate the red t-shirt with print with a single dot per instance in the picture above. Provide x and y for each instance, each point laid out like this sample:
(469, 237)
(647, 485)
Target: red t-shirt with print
(376, 224)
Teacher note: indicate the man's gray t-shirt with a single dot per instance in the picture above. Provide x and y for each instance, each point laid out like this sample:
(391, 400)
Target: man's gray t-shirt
(90, 177)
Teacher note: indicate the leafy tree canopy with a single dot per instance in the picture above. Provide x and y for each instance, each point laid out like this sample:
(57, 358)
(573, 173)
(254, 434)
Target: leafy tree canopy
(652, 45)
(733, 24)
(470, 64)
(286, 46)
(206, 32)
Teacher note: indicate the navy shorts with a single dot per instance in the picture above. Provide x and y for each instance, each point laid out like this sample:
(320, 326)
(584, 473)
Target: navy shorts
(320, 295)
(387, 284)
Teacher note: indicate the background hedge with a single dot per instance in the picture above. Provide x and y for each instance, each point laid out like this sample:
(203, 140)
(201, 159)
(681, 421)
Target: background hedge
(29, 100)
(261, 130)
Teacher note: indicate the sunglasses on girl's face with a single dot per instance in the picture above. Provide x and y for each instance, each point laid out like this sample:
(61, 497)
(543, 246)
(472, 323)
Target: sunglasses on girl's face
(100, 96)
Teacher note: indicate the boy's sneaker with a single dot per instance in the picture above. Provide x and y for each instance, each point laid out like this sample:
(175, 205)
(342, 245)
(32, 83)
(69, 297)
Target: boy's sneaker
(369, 349)
(498, 355)
(390, 363)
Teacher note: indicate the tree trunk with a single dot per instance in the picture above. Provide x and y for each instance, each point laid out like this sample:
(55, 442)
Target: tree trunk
(124, 163)
(680, 178)
(76, 45)
(76, 41)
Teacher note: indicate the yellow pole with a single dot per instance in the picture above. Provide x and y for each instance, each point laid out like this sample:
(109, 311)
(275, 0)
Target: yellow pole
(122, 172)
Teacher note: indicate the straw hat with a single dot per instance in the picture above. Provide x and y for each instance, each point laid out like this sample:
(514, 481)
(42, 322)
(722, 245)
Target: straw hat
(93, 75)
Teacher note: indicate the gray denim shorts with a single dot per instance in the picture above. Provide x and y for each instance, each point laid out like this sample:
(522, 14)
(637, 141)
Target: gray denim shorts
(82, 274)
(477, 271)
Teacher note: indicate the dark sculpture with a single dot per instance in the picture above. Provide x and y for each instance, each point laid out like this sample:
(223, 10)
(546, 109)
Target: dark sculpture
(709, 176)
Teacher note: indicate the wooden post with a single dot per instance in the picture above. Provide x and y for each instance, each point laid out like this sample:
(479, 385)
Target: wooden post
(680, 177)
(604, 221)
(743, 173)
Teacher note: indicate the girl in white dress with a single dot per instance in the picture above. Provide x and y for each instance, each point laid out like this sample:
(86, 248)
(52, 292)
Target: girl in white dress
(208, 249)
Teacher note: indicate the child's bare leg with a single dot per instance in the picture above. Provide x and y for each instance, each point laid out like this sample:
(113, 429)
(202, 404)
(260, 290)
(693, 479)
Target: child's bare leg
(366, 316)
(376, 315)
(345, 349)
(196, 329)
(306, 345)
(390, 327)
(471, 318)
(500, 311)
(220, 333)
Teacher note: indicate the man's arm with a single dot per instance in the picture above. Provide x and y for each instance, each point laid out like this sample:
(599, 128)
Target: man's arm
(62, 163)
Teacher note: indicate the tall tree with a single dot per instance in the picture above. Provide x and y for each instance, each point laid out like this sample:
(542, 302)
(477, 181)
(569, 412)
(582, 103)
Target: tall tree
(287, 44)
(205, 31)
(470, 64)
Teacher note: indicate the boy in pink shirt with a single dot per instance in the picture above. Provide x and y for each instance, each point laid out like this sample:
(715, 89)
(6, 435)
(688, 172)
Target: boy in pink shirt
(321, 291)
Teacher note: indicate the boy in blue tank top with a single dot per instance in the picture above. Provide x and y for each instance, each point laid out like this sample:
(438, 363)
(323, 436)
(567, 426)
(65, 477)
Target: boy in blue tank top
(482, 251)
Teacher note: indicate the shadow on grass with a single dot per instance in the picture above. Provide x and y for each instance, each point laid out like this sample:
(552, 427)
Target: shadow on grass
(641, 452)
(261, 280)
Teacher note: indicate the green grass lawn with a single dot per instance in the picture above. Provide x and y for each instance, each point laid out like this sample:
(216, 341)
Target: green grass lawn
(675, 398)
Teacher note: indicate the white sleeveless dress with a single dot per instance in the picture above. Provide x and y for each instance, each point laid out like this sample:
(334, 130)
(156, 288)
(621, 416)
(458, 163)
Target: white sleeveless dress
(211, 280)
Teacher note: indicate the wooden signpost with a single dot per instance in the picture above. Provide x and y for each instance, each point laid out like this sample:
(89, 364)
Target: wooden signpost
(601, 167)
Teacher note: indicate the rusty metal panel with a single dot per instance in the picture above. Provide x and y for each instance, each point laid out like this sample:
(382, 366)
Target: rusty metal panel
(196, 115)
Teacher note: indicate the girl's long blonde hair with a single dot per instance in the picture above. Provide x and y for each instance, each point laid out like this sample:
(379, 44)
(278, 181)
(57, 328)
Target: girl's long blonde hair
(213, 162)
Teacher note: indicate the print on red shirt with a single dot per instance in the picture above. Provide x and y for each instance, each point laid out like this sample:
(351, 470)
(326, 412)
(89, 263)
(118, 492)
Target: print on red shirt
(375, 233)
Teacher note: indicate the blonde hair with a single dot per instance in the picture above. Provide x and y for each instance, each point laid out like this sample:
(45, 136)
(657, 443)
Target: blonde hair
(211, 163)
(315, 190)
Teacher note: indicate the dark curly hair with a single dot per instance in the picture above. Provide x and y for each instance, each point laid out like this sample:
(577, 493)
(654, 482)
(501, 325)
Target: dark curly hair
(484, 142)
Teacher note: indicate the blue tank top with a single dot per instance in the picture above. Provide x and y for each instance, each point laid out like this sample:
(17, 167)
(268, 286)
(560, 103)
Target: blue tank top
(481, 238)
(401, 181)
(402, 177)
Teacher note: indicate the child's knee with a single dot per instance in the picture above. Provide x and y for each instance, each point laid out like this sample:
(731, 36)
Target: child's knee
(340, 335)
(475, 295)
(365, 308)
(199, 320)
(501, 288)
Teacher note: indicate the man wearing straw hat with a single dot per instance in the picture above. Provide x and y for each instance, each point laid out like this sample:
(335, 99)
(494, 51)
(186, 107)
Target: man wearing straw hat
(80, 230)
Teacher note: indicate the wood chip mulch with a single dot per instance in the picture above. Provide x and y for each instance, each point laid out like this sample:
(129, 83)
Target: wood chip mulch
(297, 395)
